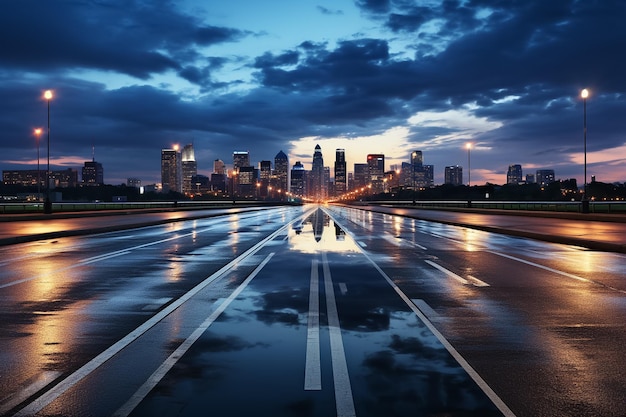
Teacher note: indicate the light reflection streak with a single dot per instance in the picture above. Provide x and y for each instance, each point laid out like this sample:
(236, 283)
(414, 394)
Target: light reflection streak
(473, 240)
(397, 225)
(234, 233)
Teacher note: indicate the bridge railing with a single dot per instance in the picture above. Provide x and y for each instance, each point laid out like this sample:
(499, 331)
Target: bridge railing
(38, 207)
(615, 207)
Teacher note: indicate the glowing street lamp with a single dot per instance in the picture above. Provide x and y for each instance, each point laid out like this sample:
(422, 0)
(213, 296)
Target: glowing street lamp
(37, 133)
(585, 202)
(47, 207)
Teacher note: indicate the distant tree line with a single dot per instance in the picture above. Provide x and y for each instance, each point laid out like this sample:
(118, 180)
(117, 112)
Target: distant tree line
(557, 191)
(565, 190)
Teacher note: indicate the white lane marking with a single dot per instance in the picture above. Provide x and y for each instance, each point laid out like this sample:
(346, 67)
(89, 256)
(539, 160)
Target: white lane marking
(425, 308)
(363, 244)
(341, 378)
(556, 271)
(169, 363)
(343, 288)
(46, 398)
(41, 381)
(497, 401)
(447, 272)
(417, 245)
(477, 282)
(312, 370)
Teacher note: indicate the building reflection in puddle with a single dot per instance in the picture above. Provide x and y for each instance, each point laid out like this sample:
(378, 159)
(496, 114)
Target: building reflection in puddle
(319, 232)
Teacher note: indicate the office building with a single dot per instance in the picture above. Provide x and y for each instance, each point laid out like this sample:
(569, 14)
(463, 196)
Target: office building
(171, 170)
(92, 173)
(218, 183)
(453, 175)
(317, 191)
(219, 167)
(64, 178)
(24, 177)
(376, 172)
(241, 159)
(265, 176)
(189, 167)
(420, 176)
(298, 180)
(246, 181)
(341, 180)
(545, 176)
(280, 176)
(200, 184)
(360, 177)
(514, 174)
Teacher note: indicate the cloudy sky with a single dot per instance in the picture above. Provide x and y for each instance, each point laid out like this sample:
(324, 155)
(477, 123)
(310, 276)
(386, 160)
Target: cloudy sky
(131, 77)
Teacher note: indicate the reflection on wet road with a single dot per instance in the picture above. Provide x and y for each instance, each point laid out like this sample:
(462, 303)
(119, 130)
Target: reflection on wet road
(312, 311)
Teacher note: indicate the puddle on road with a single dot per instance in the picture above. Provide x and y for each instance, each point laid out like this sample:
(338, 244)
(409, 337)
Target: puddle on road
(319, 232)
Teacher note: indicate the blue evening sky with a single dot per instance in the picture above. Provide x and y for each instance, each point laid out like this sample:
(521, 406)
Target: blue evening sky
(370, 76)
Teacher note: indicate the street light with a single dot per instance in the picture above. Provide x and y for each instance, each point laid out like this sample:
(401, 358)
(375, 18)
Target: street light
(47, 207)
(37, 132)
(469, 175)
(585, 202)
(469, 166)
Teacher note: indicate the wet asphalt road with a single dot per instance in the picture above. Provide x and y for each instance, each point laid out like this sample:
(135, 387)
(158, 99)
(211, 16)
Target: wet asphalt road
(304, 312)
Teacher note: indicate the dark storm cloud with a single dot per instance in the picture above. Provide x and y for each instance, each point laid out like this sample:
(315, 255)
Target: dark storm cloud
(130, 37)
(360, 69)
(520, 63)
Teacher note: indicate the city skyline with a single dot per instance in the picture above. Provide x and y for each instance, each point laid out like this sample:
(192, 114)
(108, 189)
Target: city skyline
(178, 166)
(388, 77)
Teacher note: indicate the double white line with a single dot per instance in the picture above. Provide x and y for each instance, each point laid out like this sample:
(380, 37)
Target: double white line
(312, 374)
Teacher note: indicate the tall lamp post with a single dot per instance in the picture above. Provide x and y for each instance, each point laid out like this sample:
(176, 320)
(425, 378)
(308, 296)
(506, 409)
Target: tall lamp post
(469, 176)
(47, 207)
(38, 136)
(585, 201)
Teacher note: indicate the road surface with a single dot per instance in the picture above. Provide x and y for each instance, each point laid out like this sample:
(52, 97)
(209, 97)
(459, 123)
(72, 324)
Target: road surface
(310, 311)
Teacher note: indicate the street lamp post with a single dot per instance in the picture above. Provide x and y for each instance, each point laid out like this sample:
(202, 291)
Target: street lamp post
(47, 207)
(469, 166)
(38, 136)
(585, 201)
(469, 175)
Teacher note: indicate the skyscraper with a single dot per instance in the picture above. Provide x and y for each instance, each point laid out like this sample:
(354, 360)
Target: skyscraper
(265, 175)
(360, 176)
(219, 167)
(340, 172)
(514, 174)
(189, 168)
(376, 172)
(421, 175)
(93, 174)
(281, 171)
(298, 180)
(171, 170)
(454, 175)
(241, 159)
(317, 191)
(545, 176)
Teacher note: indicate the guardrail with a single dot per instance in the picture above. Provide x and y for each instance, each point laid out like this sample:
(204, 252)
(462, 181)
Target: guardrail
(38, 207)
(615, 207)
